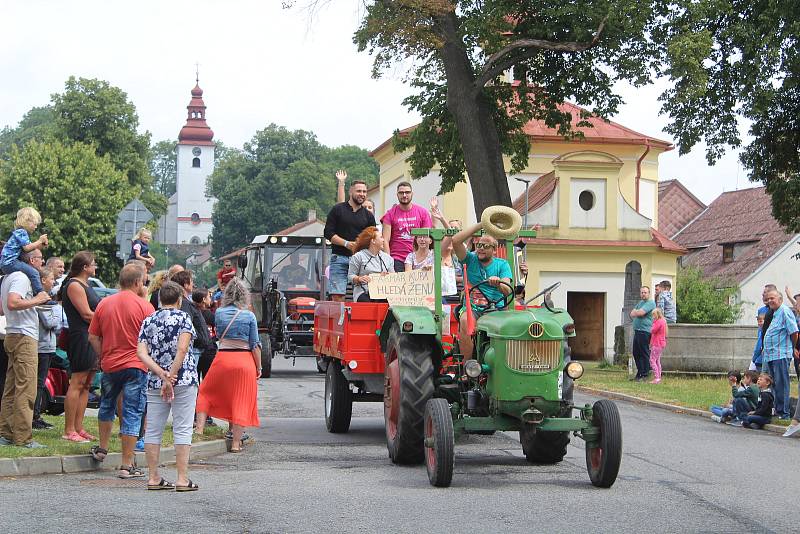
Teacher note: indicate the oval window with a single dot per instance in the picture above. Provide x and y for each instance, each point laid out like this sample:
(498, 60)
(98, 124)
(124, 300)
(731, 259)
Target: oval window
(586, 200)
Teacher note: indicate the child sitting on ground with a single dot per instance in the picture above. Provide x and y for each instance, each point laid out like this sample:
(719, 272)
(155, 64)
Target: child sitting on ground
(745, 399)
(20, 241)
(140, 247)
(735, 380)
(766, 401)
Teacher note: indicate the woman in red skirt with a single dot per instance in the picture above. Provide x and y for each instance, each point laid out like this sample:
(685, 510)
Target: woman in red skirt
(229, 391)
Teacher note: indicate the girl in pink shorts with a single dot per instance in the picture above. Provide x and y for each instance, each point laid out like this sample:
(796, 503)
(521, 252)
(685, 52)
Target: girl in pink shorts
(658, 340)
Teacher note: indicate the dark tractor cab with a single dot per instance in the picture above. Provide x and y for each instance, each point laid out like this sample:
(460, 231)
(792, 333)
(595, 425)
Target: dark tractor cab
(286, 278)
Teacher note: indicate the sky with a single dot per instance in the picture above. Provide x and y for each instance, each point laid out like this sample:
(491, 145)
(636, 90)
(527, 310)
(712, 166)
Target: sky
(258, 64)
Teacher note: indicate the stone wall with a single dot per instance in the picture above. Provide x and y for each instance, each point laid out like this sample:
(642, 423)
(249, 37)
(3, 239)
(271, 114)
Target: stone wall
(698, 348)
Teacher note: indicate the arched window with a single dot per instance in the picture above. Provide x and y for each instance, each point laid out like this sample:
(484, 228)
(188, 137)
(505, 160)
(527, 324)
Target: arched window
(196, 162)
(194, 240)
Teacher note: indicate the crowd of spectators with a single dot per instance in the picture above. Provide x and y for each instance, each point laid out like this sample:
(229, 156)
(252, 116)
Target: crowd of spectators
(153, 341)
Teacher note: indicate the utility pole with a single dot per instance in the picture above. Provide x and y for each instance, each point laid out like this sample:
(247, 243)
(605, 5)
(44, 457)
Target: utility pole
(525, 216)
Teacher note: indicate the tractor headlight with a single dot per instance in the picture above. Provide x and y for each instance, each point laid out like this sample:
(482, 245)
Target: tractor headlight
(473, 368)
(574, 370)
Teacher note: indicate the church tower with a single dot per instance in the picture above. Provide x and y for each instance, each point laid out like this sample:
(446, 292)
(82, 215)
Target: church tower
(192, 209)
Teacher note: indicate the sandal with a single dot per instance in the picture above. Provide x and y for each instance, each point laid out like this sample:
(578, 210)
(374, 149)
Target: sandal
(98, 453)
(191, 486)
(86, 435)
(130, 471)
(162, 485)
(74, 436)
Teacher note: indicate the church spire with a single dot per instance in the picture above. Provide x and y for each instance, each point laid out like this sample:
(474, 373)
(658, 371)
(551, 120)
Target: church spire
(196, 131)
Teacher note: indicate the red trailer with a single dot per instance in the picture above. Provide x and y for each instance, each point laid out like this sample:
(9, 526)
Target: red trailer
(347, 335)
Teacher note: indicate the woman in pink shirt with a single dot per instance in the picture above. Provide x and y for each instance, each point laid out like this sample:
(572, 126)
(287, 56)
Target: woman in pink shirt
(658, 340)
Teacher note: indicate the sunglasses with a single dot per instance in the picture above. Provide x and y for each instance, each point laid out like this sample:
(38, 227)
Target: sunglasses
(480, 246)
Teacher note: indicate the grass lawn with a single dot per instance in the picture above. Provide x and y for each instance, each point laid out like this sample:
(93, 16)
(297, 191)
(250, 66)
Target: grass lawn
(55, 446)
(680, 390)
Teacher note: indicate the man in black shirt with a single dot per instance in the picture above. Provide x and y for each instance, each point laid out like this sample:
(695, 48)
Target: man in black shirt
(345, 221)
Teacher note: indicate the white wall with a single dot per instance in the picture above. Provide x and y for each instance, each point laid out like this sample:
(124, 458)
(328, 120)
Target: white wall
(547, 213)
(594, 217)
(612, 284)
(647, 199)
(781, 270)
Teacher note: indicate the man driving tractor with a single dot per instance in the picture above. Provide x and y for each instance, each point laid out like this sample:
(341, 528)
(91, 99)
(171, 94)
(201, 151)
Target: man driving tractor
(481, 266)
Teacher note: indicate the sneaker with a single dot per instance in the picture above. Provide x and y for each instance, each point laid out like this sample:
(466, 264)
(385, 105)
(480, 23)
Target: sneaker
(130, 471)
(736, 422)
(792, 430)
(139, 445)
(34, 445)
(716, 418)
(40, 424)
(4, 441)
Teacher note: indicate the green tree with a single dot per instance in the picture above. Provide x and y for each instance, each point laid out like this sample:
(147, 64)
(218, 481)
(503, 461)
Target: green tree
(355, 160)
(269, 185)
(38, 123)
(164, 167)
(95, 112)
(736, 59)
(78, 193)
(458, 51)
(701, 300)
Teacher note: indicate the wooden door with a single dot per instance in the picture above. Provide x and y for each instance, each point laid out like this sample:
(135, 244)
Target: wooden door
(588, 313)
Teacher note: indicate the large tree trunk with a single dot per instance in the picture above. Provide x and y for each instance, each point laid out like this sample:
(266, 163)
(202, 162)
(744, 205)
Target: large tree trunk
(477, 131)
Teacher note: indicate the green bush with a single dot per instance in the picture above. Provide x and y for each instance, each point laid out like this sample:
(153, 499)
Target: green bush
(702, 300)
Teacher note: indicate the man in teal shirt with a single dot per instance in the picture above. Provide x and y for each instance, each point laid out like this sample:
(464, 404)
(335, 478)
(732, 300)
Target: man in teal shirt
(642, 322)
(479, 266)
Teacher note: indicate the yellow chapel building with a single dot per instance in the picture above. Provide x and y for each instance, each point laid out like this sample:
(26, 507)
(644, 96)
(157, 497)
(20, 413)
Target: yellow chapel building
(596, 200)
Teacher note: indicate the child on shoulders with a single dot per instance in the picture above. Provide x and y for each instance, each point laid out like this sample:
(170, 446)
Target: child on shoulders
(20, 241)
(140, 247)
(766, 401)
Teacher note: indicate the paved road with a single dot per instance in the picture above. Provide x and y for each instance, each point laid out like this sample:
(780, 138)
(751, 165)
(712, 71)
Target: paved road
(679, 474)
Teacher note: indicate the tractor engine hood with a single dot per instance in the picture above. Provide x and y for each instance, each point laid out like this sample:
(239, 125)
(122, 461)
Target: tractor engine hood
(516, 324)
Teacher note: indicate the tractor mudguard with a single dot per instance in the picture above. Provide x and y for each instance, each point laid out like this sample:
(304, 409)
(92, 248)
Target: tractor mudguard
(420, 318)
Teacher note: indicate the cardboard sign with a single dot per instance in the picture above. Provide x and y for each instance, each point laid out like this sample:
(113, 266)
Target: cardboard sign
(414, 288)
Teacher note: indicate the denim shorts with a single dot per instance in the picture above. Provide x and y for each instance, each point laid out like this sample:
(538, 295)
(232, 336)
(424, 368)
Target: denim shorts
(338, 274)
(132, 383)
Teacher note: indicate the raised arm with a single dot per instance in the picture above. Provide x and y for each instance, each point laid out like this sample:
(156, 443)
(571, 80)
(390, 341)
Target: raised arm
(461, 237)
(341, 177)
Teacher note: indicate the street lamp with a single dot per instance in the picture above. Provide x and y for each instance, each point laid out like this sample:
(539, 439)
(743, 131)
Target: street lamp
(527, 183)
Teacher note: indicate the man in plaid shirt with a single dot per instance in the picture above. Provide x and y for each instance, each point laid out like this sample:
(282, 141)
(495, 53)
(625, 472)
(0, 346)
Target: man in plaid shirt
(779, 348)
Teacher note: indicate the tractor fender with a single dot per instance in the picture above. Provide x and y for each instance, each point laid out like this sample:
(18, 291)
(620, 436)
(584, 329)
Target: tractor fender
(421, 319)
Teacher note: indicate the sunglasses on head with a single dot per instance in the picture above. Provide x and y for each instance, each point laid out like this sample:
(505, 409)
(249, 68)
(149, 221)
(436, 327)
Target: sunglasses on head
(484, 245)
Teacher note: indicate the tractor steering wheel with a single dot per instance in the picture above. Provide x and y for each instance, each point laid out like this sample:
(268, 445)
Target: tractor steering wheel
(506, 300)
(546, 292)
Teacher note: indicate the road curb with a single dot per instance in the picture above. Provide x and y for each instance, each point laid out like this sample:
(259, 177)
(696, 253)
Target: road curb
(80, 463)
(661, 405)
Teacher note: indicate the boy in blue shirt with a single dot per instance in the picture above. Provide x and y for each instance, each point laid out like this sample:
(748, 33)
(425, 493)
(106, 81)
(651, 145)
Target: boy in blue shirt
(19, 241)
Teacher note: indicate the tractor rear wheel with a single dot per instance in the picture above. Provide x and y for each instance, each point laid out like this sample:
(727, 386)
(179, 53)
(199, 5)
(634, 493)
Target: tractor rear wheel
(603, 460)
(543, 447)
(266, 356)
(338, 400)
(408, 384)
(439, 443)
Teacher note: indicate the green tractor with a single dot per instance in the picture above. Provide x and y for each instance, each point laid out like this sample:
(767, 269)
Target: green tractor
(521, 379)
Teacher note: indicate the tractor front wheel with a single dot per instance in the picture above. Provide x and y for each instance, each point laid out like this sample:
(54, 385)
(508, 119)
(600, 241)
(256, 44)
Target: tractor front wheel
(543, 447)
(338, 400)
(603, 459)
(439, 443)
(266, 356)
(408, 384)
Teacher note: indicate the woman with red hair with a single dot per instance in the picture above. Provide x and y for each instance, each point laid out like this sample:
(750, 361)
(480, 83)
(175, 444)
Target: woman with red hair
(368, 259)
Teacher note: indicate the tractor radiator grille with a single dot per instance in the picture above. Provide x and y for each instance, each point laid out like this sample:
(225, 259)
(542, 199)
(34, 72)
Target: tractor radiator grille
(533, 356)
